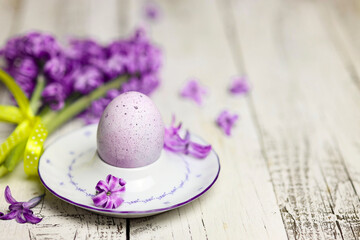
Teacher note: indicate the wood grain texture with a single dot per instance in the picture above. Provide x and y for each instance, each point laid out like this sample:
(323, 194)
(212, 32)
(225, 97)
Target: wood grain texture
(61, 220)
(304, 104)
(11, 10)
(242, 202)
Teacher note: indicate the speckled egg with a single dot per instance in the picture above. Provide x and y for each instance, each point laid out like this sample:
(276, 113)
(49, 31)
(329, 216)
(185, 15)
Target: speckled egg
(130, 132)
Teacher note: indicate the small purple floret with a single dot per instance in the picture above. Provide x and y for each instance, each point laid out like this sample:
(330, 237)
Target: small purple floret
(55, 69)
(27, 67)
(54, 94)
(151, 11)
(109, 192)
(226, 121)
(175, 143)
(94, 112)
(39, 45)
(20, 210)
(87, 79)
(239, 86)
(194, 91)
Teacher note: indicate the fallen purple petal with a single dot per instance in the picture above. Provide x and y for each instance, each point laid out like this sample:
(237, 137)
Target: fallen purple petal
(151, 11)
(239, 86)
(30, 217)
(194, 91)
(8, 196)
(197, 150)
(20, 210)
(226, 121)
(11, 215)
(175, 143)
(32, 202)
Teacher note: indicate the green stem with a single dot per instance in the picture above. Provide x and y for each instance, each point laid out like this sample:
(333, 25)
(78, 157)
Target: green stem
(35, 102)
(15, 156)
(53, 121)
(47, 114)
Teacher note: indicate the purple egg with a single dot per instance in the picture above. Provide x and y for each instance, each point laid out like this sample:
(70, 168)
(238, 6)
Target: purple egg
(130, 132)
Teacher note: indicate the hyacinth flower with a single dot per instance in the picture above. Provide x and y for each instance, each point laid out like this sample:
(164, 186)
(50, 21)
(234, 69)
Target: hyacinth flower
(20, 210)
(175, 143)
(226, 121)
(109, 192)
(193, 91)
(63, 82)
(239, 86)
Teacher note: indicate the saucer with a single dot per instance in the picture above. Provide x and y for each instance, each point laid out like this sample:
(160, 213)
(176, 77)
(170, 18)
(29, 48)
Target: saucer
(70, 169)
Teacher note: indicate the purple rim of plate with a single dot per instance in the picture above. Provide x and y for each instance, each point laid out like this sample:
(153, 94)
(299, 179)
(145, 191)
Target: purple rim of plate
(159, 210)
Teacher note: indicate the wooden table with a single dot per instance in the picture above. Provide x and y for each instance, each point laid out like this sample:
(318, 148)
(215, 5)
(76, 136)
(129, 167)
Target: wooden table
(292, 167)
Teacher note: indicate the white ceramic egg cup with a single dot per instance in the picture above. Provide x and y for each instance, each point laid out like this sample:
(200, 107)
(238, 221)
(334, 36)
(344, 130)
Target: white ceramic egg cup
(70, 169)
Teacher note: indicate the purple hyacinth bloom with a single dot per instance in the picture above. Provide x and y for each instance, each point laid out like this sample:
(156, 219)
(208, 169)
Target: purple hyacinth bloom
(13, 48)
(146, 58)
(24, 72)
(55, 69)
(27, 67)
(40, 45)
(145, 84)
(94, 112)
(26, 83)
(20, 210)
(85, 50)
(112, 93)
(54, 94)
(194, 91)
(133, 84)
(109, 192)
(175, 143)
(226, 121)
(114, 66)
(121, 47)
(239, 86)
(82, 67)
(139, 55)
(87, 79)
(149, 83)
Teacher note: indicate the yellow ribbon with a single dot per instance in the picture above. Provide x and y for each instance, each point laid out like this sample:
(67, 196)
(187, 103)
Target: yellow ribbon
(30, 127)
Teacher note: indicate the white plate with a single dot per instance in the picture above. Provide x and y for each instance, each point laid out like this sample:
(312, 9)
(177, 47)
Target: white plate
(70, 168)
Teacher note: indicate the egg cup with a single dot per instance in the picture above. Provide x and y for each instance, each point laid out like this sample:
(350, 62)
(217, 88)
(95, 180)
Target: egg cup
(70, 169)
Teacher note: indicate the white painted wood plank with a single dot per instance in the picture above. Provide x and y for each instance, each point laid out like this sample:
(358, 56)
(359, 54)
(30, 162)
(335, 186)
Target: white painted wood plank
(10, 10)
(306, 106)
(37, 15)
(61, 220)
(241, 205)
